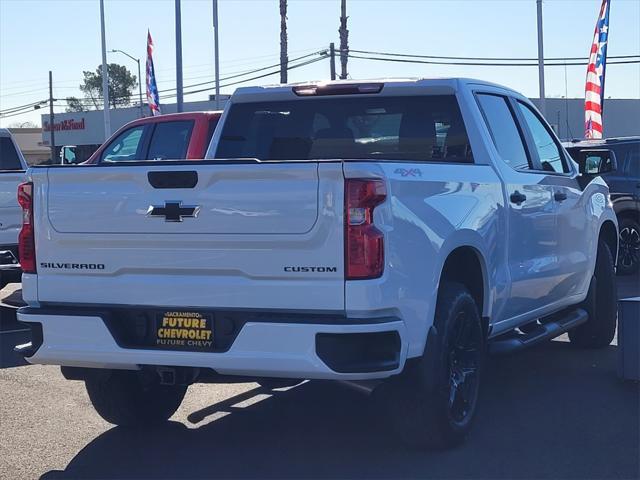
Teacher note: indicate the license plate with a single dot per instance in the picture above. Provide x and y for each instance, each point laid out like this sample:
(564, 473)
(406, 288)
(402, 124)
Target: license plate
(184, 330)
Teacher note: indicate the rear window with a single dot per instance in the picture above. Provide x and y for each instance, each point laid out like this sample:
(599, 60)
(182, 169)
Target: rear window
(170, 140)
(9, 159)
(428, 128)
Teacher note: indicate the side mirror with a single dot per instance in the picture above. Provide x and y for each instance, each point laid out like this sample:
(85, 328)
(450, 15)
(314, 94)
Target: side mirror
(596, 162)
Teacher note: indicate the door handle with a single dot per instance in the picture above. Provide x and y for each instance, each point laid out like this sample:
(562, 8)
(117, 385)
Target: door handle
(173, 179)
(559, 196)
(517, 197)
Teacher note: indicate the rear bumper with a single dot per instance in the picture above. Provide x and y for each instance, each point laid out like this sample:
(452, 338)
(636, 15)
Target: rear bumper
(270, 347)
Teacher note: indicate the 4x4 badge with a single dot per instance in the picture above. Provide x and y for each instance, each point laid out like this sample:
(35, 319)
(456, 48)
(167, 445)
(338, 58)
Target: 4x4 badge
(173, 211)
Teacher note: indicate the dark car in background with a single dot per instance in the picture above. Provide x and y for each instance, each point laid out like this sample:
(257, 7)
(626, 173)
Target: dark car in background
(624, 184)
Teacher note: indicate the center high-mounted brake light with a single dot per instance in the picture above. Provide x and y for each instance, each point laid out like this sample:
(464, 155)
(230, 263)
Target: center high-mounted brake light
(364, 243)
(26, 238)
(337, 89)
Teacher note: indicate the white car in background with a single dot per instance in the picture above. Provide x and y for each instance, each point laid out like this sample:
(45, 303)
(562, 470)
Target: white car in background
(12, 167)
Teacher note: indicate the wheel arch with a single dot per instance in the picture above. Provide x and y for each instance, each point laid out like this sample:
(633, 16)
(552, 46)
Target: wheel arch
(466, 264)
(629, 213)
(609, 233)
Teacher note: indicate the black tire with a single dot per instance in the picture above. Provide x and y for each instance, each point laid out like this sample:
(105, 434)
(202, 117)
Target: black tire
(629, 253)
(600, 304)
(126, 398)
(427, 409)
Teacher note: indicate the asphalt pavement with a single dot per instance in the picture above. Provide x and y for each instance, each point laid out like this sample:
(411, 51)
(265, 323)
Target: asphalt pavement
(553, 411)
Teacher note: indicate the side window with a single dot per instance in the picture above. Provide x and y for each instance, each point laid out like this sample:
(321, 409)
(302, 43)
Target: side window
(9, 159)
(125, 147)
(550, 154)
(170, 140)
(632, 161)
(504, 131)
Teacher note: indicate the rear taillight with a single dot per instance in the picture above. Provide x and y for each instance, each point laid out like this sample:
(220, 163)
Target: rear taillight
(364, 243)
(26, 239)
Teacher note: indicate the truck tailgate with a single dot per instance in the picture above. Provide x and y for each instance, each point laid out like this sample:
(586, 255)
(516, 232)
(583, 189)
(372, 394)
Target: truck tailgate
(216, 235)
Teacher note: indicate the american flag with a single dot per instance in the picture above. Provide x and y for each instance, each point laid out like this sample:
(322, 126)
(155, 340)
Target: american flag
(152, 88)
(594, 91)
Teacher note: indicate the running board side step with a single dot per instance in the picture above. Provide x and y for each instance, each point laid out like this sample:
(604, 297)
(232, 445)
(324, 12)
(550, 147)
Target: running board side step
(514, 342)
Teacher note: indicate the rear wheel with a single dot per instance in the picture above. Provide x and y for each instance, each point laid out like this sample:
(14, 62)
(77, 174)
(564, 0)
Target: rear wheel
(600, 304)
(433, 402)
(629, 254)
(124, 397)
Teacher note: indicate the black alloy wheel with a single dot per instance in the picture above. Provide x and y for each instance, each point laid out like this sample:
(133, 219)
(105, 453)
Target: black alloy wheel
(465, 354)
(629, 250)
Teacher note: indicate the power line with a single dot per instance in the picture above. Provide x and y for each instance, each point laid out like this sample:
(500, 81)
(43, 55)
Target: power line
(87, 102)
(484, 64)
(488, 59)
(28, 106)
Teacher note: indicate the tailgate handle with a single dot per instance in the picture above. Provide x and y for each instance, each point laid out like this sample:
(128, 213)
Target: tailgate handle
(173, 179)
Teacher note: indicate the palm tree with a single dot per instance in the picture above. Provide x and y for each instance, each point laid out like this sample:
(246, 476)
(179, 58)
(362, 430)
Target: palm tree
(284, 58)
(344, 40)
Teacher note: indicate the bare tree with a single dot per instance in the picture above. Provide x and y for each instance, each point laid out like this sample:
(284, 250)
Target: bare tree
(284, 58)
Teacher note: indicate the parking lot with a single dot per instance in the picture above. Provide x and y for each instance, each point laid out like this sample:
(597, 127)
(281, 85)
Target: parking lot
(551, 412)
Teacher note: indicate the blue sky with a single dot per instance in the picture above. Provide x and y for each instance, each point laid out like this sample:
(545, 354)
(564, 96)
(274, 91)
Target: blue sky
(64, 36)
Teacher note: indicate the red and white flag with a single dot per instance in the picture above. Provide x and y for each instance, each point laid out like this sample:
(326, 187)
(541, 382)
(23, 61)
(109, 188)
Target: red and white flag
(594, 91)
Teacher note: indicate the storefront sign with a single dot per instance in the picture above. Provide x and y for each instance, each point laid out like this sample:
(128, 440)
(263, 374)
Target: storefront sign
(70, 124)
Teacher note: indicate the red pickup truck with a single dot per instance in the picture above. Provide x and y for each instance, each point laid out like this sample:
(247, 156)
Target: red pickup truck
(165, 137)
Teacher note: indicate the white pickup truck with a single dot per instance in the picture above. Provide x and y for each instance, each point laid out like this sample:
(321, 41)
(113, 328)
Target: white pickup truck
(12, 168)
(382, 232)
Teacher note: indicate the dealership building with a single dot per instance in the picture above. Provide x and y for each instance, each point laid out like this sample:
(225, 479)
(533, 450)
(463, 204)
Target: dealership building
(85, 130)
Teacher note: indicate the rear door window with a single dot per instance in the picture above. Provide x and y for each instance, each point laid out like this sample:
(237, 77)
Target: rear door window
(504, 131)
(170, 140)
(126, 147)
(9, 159)
(428, 128)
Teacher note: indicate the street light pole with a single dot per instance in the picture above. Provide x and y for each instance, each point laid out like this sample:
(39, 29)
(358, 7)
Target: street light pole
(51, 125)
(179, 91)
(137, 60)
(541, 59)
(216, 52)
(105, 76)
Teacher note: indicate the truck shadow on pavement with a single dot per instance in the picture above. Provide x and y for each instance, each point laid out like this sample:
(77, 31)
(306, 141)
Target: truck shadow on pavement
(552, 412)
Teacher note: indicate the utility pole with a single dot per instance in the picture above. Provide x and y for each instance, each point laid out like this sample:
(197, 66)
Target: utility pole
(284, 58)
(344, 40)
(179, 88)
(541, 60)
(51, 128)
(105, 77)
(332, 60)
(216, 52)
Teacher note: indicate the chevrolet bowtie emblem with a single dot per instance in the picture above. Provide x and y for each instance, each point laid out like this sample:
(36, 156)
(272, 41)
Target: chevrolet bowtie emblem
(173, 211)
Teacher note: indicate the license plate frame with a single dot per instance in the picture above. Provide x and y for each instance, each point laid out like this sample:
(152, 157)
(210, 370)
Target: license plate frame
(191, 330)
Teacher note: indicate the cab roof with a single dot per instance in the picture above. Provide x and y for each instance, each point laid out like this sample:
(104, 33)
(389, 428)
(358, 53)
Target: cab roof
(393, 86)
